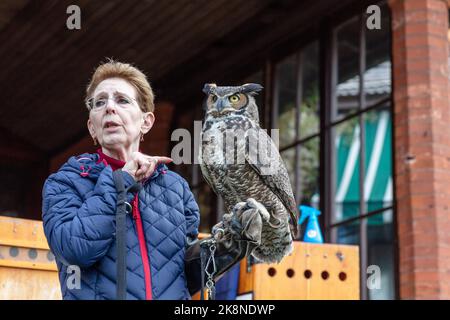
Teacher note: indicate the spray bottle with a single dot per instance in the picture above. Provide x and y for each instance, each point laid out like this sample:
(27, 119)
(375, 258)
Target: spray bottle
(312, 232)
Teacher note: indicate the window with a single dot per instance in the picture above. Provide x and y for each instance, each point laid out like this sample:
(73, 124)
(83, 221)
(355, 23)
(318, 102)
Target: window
(360, 132)
(358, 191)
(296, 108)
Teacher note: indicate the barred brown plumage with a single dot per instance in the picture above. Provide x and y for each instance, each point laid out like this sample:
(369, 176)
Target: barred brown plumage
(239, 161)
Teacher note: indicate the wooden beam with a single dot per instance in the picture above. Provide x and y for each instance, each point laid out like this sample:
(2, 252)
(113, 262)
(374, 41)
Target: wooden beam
(22, 233)
(255, 40)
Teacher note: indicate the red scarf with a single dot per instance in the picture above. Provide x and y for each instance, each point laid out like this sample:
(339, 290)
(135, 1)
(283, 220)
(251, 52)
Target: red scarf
(114, 163)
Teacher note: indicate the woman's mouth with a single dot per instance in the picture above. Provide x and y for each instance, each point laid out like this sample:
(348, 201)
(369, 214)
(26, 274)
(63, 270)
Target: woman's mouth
(111, 126)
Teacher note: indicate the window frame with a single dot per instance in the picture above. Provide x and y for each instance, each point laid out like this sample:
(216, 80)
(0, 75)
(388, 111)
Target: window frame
(329, 105)
(328, 121)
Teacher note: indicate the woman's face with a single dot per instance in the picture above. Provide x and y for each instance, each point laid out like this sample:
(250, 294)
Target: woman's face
(116, 120)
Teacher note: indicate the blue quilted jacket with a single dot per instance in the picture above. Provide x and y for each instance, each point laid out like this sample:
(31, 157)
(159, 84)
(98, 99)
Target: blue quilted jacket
(79, 205)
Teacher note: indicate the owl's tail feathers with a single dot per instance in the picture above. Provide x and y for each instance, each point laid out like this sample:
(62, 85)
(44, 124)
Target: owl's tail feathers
(293, 223)
(295, 230)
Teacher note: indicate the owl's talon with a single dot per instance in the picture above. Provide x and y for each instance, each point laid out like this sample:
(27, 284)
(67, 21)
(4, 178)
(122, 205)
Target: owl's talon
(260, 207)
(238, 206)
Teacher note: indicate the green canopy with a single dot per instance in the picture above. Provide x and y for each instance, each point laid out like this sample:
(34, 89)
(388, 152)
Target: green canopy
(377, 167)
(377, 193)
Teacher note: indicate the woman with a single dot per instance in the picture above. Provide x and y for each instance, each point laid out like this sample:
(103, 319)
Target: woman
(80, 202)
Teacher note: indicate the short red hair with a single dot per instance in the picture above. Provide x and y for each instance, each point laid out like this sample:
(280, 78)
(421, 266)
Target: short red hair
(127, 72)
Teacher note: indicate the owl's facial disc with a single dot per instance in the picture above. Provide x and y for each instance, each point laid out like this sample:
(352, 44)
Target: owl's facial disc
(218, 105)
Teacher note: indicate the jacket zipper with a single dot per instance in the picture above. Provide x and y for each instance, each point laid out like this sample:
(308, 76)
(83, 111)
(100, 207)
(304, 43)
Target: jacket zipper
(143, 248)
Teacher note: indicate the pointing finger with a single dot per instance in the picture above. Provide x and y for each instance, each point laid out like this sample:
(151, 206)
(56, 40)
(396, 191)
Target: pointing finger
(163, 159)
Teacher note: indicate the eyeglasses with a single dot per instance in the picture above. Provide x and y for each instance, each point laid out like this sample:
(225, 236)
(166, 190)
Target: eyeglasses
(100, 102)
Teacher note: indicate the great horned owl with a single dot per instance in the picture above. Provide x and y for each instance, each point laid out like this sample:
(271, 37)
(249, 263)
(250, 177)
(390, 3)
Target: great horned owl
(239, 161)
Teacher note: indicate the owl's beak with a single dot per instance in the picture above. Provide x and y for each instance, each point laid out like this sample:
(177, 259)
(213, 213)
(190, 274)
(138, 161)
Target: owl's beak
(222, 104)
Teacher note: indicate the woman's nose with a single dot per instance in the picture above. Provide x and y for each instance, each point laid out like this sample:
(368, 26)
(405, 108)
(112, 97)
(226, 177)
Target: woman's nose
(110, 106)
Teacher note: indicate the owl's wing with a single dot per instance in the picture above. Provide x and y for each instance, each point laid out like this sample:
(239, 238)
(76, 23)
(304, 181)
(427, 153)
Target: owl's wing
(263, 156)
(206, 174)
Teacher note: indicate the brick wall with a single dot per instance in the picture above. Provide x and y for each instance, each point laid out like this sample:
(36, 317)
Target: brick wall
(422, 146)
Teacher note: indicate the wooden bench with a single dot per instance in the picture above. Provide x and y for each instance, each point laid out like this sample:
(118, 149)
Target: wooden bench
(27, 267)
(311, 272)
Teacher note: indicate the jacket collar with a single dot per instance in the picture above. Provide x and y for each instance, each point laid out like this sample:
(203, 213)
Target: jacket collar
(114, 163)
(90, 165)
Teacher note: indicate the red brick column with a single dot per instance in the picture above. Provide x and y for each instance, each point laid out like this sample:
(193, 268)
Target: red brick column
(422, 146)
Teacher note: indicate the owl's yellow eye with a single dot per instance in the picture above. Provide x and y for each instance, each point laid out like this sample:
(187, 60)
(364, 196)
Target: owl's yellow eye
(234, 98)
(214, 98)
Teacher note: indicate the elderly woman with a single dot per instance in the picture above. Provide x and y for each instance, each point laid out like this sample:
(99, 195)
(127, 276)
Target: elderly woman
(80, 204)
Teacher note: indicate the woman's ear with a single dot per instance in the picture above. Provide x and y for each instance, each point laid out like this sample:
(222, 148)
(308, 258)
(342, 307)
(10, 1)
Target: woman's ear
(91, 128)
(147, 124)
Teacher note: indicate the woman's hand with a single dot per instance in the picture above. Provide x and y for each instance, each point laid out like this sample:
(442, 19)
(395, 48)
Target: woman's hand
(141, 166)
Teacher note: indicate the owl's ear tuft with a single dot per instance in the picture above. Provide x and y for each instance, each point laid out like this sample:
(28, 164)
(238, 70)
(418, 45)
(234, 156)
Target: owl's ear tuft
(209, 88)
(252, 88)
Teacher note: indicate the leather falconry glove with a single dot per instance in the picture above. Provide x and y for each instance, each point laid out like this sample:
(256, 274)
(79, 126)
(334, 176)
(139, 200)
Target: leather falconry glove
(234, 238)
